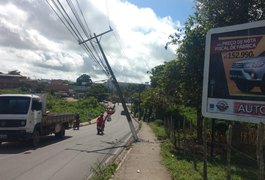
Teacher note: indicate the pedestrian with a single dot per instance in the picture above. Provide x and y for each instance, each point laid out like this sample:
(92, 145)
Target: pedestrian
(77, 121)
(100, 124)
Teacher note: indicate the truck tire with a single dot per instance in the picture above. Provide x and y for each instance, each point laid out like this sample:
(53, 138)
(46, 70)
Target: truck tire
(35, 139)
(61, 134)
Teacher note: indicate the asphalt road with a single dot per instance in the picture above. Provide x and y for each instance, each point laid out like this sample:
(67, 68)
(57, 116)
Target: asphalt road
(72, 158)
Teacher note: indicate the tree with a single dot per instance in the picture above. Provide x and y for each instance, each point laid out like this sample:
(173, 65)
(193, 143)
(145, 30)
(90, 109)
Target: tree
(219, 13)
(155, 75)
(84, 80)
(99, 91)
(14, 72)
(191, 56)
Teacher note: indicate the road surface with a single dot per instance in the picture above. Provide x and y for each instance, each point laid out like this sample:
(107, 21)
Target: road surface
(72, 158)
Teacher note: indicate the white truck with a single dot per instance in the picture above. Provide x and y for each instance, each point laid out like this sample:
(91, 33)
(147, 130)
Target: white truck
(23, 117)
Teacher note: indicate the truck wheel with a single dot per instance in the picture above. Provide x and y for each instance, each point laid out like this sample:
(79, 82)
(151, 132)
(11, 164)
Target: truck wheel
(60, 135)
(35, 138)
(243, 86)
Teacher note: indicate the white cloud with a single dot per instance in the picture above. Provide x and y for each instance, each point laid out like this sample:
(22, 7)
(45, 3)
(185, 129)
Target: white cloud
(37, 44)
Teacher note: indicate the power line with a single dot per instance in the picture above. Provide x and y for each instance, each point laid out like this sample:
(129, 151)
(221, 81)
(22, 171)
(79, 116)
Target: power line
(103, 62)
(107, 7)
(74, 11)
(72, 27)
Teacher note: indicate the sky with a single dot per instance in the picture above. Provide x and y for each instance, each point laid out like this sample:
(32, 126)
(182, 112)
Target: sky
(35, 42)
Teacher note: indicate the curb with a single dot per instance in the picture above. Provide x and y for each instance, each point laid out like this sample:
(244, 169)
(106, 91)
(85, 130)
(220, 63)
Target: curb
(93, 121)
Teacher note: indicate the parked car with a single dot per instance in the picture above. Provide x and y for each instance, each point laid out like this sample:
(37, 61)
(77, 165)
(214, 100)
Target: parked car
(249, 73)
(123, 113)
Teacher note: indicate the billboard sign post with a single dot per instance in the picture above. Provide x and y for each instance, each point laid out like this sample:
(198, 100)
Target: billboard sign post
(234, 73)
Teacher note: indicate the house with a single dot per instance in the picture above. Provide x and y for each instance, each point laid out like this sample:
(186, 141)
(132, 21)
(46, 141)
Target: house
(9, 81)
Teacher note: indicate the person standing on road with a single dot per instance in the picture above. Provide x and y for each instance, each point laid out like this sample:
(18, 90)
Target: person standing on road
(100, 125)
(77, 121)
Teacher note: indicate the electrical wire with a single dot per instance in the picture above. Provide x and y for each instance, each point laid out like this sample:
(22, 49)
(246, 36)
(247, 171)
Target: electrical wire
(73, 32)
(79, 30)
(74, 11)
(88, 35)
(107, 7)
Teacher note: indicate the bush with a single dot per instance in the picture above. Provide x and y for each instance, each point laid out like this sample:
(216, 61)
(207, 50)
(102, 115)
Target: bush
(158, 130)
(159, 122)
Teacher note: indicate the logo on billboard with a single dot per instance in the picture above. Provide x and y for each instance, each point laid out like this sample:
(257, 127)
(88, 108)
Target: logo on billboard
(211, 107)
(222, 106)
(249, 108)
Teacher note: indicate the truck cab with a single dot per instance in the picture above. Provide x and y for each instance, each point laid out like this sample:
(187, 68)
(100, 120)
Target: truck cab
(24, 117)
(18, 115)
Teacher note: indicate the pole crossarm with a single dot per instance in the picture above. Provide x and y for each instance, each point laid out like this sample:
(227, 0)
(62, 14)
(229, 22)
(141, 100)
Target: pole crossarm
(95, 36)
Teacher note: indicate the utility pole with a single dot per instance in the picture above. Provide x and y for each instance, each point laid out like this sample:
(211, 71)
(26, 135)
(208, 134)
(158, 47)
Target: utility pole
(116, 84)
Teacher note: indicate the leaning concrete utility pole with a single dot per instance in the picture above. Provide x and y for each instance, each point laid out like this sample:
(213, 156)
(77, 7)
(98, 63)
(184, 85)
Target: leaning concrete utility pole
(116, 84)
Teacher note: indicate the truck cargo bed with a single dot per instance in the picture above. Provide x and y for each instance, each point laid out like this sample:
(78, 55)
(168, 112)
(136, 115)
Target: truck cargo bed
(53, 118)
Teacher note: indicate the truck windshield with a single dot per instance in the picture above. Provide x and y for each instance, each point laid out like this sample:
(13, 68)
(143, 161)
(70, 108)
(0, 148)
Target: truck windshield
(14, 105)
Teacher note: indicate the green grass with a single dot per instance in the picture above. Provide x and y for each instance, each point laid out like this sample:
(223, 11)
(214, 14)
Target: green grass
(158, 129)
(181, 165)
(104, 173)
(82, 106)
(11, 91)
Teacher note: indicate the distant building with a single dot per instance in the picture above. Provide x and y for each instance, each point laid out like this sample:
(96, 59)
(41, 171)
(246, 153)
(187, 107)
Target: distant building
(82, 88)
(9, 81)
(59, 87)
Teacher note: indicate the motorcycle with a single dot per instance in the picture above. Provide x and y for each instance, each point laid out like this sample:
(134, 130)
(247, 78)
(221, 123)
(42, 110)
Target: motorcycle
(76, 125)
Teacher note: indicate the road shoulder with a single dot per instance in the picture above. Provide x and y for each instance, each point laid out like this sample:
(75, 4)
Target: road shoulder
(143, 159)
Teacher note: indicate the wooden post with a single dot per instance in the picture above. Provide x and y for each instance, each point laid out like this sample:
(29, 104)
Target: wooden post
(174, 133)
(184, 135)
(204, 150)
(194, 154)
(171, 127)
(213, 137)
(193, 147)
(179, 134)
(260, 158)
(229, 140)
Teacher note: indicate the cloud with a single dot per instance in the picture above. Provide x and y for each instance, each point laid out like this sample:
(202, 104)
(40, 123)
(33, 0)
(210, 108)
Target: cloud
(35, 42)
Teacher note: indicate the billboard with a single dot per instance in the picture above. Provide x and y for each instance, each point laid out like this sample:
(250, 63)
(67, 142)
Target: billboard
(234, 73)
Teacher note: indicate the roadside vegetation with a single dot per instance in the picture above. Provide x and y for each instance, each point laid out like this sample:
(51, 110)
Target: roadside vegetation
(183, 162)
(83, 107)
(172, 102)
(104, 172)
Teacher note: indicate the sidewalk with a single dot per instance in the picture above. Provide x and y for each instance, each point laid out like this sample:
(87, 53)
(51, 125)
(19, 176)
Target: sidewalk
(143, 160)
